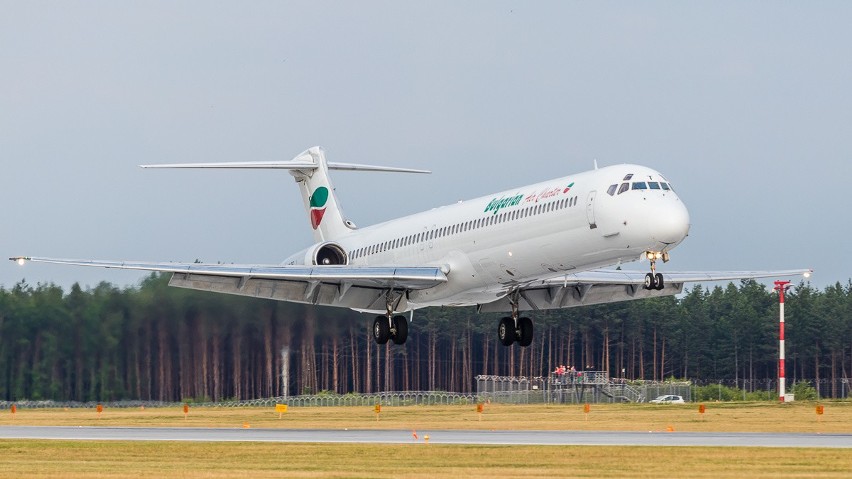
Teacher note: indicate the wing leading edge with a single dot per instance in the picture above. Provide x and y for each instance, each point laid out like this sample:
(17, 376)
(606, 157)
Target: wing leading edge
(357, 287)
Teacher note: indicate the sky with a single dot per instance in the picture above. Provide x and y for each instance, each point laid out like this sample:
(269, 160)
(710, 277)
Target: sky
(746, 107)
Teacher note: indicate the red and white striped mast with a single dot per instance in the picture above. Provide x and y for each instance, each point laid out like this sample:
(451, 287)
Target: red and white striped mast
(781, 286)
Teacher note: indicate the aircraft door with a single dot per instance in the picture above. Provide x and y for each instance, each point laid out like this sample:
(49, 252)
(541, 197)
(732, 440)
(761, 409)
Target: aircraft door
(590, 210)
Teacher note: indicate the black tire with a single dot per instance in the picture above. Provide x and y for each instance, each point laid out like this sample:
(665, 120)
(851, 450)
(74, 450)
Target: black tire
(506, 331)
(658, 281)
(650, 281)
(381, 330)
(525, 334)
(400, 324)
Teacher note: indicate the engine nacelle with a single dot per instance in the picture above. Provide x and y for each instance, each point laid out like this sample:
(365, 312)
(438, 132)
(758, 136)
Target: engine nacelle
(325, 254)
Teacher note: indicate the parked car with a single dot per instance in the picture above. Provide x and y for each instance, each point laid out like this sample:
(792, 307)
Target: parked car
(668, 399)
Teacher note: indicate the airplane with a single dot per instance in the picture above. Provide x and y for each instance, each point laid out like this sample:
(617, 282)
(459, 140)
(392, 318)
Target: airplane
(536, 247)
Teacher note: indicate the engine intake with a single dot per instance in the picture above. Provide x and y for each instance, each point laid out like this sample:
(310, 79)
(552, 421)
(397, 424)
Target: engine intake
(328, 254)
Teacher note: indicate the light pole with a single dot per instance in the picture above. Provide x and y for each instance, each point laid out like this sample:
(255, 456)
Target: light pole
(781, 287)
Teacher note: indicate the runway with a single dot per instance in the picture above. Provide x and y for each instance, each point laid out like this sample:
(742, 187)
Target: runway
(385, 436)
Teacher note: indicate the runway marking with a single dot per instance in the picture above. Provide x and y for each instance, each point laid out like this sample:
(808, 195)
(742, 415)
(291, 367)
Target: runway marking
(391, 436)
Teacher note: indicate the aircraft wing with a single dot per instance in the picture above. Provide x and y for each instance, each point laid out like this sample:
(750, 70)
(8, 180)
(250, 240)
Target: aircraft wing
(608, 286)
(612, 276)
(357, 287)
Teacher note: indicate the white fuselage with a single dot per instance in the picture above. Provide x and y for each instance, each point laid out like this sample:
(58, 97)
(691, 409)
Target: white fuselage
(489, 245)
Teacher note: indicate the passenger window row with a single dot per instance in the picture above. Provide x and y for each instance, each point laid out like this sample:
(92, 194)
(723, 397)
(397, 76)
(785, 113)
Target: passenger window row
(464, 227)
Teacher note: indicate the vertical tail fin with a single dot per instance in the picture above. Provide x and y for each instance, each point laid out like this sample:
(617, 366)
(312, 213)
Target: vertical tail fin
(318, 196)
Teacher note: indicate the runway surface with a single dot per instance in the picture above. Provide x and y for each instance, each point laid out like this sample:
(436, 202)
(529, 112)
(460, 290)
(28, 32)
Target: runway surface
(384, 436)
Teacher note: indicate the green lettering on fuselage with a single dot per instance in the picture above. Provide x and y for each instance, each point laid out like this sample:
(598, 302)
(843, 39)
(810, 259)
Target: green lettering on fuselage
(499, 203)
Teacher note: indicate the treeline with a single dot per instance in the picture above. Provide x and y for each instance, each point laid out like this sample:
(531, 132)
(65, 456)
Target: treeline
(153, 342)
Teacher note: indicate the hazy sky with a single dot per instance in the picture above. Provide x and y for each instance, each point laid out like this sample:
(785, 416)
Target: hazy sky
(745, 106)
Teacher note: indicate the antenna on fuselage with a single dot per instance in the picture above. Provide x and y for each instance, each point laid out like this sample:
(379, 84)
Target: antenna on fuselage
(596, 163)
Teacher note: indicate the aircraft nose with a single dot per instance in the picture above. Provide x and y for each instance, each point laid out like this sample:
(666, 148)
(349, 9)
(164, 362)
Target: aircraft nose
(671, 223)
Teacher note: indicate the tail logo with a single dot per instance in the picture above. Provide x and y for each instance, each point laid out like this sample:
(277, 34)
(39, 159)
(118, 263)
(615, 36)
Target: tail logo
(318, 200)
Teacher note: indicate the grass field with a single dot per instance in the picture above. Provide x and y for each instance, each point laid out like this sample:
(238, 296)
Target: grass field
(718, 417)
(215, 460)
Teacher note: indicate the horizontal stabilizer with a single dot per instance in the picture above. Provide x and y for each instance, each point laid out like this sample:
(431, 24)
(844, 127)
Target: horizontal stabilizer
(288, 165)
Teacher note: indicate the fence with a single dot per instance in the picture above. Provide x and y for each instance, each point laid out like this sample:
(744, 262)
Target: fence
(400, 398)
(503, 389)
(575, 387)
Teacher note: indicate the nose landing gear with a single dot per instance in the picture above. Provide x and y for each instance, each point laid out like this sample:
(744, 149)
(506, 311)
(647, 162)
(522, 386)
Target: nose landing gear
(654, 280)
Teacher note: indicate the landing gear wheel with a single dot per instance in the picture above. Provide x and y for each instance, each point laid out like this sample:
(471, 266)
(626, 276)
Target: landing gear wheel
(658, 281)
(400, 326)
(525, 331)
(506, 331)
(381, 330)
(650, 281)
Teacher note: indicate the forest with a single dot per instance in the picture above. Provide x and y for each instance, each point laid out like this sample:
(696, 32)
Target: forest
(154, 342)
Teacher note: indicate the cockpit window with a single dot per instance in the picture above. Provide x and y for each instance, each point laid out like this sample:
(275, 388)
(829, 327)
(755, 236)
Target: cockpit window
(653, 185)
(611, 190)
(640, 185)
(624, 187)
(665, 186)
(627, 178)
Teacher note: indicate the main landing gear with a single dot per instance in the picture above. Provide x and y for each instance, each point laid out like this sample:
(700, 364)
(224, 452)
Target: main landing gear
(511, 329)
(654, 280)
(390, 326)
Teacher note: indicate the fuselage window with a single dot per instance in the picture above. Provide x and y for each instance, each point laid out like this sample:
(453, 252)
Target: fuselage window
(653, 185)
(665, 186)
(639, 185)
(611, 190)
(627, 178)
(624, 187)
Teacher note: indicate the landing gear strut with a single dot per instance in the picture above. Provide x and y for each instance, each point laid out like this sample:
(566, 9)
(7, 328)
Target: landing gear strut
(511, 329)
(654, 280)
